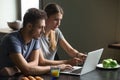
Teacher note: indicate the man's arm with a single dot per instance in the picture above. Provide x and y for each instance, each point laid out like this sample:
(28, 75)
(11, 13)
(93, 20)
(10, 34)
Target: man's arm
(28, 68)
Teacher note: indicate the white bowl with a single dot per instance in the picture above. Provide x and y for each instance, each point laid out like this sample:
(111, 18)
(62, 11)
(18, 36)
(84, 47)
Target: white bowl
(16, 25)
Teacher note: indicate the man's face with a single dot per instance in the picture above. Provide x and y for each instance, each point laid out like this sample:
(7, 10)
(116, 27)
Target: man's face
(37, 29)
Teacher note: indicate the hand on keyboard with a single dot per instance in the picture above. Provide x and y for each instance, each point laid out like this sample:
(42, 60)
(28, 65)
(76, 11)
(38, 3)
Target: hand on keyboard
(68, 70)
(64, 66)
(72, 69)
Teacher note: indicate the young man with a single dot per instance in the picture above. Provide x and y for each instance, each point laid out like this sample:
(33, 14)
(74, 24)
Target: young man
(19, 51)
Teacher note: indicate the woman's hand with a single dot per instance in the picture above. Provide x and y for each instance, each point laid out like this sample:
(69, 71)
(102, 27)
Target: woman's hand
(81, 56)
(75, 61)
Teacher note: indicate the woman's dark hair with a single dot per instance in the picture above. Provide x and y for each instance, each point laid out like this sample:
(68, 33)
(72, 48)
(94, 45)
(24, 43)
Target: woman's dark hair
(33, 15)
(53, 8)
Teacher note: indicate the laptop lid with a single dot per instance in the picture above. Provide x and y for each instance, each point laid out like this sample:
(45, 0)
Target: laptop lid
(90, 63)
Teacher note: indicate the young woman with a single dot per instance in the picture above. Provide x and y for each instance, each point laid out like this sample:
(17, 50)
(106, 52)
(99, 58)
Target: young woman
(53, 36)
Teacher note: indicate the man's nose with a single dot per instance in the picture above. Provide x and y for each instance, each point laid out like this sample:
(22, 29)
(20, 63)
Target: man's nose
(43, 30)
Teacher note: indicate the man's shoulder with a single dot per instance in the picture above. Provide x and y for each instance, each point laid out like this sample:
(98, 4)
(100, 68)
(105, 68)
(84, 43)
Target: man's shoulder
(13, 35)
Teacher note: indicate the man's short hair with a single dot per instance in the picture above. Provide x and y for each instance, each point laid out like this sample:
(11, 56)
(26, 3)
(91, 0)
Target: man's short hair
(32, 15)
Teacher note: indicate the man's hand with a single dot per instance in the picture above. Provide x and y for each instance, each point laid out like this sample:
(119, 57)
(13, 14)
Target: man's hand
(9, 71)
(64, 66)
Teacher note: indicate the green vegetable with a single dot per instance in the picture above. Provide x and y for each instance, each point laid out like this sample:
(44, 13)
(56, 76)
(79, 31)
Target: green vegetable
(114, 63)
(109, 63)
(106, 63)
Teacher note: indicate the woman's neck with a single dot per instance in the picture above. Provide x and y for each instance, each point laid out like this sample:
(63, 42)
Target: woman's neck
(47, 32)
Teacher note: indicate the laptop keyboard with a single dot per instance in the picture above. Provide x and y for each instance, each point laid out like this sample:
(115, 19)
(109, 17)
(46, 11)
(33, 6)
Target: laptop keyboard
(68, 70)
(76, 71)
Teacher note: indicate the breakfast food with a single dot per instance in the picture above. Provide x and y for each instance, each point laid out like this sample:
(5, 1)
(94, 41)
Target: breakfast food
(38, 78)
(109, 63)
(24, 78)
(32, 78)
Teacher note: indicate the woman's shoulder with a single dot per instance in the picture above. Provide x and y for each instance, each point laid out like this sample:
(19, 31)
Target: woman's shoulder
(57, 30)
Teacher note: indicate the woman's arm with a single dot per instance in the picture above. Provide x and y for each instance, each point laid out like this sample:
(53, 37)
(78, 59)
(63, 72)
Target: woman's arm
(70, 50)
(34, 58)
(43, 61)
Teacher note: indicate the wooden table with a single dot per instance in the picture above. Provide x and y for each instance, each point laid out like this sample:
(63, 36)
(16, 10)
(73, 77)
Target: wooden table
(98, 74)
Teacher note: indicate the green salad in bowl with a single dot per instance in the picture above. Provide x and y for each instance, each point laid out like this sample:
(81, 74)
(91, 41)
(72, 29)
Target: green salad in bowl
(109, 63)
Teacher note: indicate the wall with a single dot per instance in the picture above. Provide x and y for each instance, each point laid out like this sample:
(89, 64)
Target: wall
(30, 4)
(118, 24)
(90, 24)
(8, 12)
(87, 24)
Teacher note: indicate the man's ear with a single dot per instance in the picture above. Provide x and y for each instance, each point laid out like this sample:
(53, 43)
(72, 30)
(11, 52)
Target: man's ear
(29, 26)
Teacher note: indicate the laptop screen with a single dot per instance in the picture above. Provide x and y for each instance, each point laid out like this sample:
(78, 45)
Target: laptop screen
(90, 63)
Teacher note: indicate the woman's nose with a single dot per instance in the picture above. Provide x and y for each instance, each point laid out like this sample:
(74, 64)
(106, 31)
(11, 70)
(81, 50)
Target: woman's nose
(58, 23)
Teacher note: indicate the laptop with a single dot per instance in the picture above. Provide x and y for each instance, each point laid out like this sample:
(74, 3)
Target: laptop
(89, 65)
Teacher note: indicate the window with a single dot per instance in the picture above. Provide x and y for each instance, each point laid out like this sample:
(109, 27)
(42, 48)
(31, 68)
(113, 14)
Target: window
(26, 4)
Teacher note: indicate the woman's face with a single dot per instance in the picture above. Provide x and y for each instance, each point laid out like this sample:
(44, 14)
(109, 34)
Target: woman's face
(54, 21)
